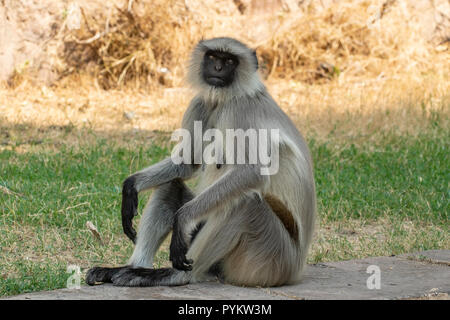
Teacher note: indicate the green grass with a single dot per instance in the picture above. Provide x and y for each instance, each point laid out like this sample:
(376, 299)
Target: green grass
(387, 198)
(403, 176)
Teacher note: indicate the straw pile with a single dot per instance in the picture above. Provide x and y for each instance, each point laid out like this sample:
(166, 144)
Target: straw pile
(139, 43)
(148, 42)
(353, 40)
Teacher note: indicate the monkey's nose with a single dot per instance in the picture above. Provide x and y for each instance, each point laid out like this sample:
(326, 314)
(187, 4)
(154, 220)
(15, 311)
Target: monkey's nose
(218, 67)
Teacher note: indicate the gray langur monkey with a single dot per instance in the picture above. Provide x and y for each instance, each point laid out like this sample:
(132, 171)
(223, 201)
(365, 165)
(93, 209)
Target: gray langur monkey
(240, 226)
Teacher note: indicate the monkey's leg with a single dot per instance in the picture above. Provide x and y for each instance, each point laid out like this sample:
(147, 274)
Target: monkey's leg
(209, 246)
(267, 254)
(251, 243)
(153, 176)
(157, 221)
(220, 235)
(223, 233)
(155, 224)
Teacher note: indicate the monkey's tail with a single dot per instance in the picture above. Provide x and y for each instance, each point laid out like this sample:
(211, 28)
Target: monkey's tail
(145, 277)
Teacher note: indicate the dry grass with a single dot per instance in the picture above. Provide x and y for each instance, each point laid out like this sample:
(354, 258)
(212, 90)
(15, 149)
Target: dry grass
(348, 40)
(145, 44)
(359, 238)
(351, 69)
(364, 110)
(129, 45)
(354, 40)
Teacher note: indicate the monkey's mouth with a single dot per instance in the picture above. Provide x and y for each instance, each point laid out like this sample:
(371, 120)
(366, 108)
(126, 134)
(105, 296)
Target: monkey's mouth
(215, 81)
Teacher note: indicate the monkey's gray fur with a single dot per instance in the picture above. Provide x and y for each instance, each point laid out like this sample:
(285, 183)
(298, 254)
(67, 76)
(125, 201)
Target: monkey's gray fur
(256, 229)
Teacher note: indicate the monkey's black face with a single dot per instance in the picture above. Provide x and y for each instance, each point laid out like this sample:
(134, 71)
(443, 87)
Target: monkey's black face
(219, 68)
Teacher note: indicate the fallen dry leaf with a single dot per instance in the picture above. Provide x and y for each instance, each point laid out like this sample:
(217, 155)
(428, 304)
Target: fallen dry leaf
(93, 230)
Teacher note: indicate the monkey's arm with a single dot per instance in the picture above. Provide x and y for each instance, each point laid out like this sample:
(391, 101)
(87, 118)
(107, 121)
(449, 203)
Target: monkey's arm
(239, 180)
(159, 173)
(150, 177)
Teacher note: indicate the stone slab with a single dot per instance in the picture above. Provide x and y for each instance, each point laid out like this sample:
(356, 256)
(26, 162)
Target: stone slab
(433, 256)
(400, 278)
(422, 274)
(199, 291)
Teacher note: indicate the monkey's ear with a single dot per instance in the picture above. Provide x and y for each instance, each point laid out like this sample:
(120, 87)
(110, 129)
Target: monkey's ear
(256, 59)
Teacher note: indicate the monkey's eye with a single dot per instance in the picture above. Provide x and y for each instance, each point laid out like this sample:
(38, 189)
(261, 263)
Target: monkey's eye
(211, 57)
(229, 61)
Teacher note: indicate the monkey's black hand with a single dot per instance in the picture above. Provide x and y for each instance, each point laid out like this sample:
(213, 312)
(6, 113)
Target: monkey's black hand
(129, 207)
(178, 249)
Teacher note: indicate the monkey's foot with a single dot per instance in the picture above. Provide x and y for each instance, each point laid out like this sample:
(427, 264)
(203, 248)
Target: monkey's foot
(145, 277)
(101, 274)
(178, 257)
